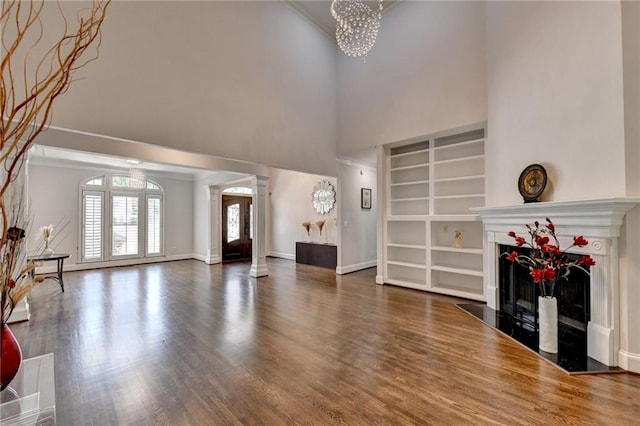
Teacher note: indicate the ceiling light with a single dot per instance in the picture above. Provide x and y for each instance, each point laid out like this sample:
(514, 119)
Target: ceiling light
(357, 25)
(133, 161)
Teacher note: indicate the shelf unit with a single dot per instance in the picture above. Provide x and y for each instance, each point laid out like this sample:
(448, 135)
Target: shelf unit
(430, 187)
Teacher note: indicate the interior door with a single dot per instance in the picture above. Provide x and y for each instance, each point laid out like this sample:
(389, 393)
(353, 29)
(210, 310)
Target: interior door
(236, 228)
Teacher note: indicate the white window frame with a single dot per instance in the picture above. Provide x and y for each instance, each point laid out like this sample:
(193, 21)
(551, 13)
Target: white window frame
(132, 194)
(101, 194)
(153, 195)
(107, 193)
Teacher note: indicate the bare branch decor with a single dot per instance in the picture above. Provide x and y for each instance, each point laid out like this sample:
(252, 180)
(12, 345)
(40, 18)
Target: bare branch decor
(37, 67)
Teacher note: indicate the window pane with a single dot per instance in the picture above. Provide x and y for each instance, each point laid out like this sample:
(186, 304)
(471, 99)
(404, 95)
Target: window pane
(124, 232)
(153, 225)
(238, 190)
(92, 221)
(154, 186)
(95, 182)
(233, 222)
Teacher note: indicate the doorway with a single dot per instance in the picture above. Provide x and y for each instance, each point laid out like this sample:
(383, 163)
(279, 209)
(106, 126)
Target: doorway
(237, 229)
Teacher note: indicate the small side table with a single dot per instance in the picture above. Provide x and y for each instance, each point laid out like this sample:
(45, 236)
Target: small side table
(59, 257)
(30, 398)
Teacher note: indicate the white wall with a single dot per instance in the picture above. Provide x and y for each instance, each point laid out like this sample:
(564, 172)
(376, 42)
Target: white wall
(358, 226)
(630, 241)
(426, 73)
(289, 205)
(555, 98)
(54, 197)
(244, 80)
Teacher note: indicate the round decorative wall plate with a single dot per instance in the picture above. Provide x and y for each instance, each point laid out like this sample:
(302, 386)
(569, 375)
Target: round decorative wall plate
(532, 182)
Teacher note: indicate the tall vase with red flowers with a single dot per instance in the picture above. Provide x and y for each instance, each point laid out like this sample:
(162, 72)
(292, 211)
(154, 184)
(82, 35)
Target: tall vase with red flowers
(549, 266)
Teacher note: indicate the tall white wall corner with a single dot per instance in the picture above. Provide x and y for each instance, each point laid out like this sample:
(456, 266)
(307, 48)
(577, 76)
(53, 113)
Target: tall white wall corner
(259, 248)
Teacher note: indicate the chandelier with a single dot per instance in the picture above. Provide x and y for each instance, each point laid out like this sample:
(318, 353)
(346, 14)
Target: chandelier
(357, 25)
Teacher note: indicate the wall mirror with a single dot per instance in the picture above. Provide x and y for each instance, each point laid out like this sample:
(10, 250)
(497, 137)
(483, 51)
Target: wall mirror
(324, 197)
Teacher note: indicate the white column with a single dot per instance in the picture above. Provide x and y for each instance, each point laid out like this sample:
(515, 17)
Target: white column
(259, 247)
(214, 234)
(381, 204)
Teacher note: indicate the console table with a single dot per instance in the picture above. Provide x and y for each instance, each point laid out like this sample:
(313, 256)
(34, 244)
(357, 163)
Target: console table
(323, 255)
(59, 257)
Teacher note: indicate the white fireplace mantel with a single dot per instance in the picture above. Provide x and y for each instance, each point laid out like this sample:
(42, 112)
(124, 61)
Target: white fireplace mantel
(599, 221)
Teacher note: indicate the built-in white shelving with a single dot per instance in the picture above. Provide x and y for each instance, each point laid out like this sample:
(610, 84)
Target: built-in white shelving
(430, 187)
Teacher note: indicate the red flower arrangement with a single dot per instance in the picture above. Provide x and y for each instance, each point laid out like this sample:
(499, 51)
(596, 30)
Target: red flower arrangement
(547, 264)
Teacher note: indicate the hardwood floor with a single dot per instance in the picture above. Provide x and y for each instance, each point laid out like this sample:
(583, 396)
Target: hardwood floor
(185, 343)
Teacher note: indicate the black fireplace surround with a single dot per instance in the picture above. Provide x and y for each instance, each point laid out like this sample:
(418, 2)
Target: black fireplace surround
(519, 297)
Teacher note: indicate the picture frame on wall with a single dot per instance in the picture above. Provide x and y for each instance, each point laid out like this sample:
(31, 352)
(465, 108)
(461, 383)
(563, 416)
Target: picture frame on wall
(365, 198)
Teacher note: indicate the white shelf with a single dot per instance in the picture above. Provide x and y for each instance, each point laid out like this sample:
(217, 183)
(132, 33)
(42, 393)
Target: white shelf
(429, 194)
(462, 271)
(450, 197)
(460, 178)
(415, 182)
(413, 166)
(457, 160)
(408, 246)
(407, 264)
(457, 250)
(455, 218)
(459, 144)
(404, 154)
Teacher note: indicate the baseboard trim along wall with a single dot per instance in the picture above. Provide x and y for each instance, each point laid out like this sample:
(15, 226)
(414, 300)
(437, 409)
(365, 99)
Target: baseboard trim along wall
(287, 256)
(50, 267)
(341, 270)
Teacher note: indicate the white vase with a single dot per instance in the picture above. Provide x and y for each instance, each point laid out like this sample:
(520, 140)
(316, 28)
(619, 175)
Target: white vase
(548, 324)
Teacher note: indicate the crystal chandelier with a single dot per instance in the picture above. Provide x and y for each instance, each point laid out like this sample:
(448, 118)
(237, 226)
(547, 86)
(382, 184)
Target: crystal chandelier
(357, 25)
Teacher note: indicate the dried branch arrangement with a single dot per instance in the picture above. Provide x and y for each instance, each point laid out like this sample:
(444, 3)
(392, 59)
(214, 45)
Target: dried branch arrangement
(36, 68)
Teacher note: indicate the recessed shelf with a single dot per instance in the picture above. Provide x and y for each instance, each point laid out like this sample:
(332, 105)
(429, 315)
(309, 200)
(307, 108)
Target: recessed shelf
(458, 145)
(405, 154)
(429, 192)
(413, 166)
(459, 178)
(415, 182)
(407, 264)
(449, 197)
(409, 246)
(457, 250)
(462, 271)
(457, 160)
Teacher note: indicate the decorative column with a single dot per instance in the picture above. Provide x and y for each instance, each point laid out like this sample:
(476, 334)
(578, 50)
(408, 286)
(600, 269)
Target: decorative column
(213, 220)
(259, 247)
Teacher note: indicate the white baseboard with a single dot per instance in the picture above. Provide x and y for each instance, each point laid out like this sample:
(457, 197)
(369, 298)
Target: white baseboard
(287, 256)
(341, 270)
(48, 269)
(209, 260)
(380, 279)
(629, 361)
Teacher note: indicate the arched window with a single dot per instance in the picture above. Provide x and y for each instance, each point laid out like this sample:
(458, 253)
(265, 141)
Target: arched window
(122, 217)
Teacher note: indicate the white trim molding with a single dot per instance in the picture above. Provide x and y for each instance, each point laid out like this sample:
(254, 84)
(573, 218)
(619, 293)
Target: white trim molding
(599, 221)
(341, 270)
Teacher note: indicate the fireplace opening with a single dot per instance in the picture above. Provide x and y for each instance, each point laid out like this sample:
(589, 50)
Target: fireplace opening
(519, 299)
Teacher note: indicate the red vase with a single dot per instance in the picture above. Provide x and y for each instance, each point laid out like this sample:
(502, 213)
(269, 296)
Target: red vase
(10, 356)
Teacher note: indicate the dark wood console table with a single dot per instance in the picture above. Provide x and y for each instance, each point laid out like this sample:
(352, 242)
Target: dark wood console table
(323, 255)
(59, 257)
